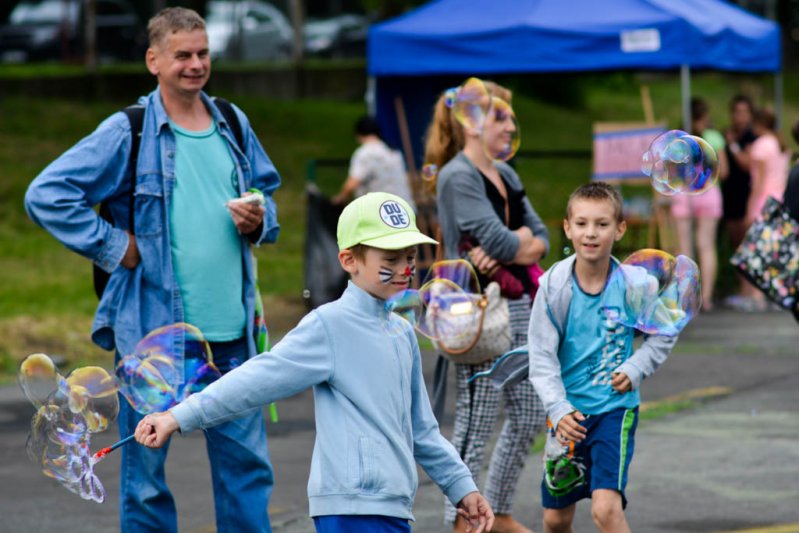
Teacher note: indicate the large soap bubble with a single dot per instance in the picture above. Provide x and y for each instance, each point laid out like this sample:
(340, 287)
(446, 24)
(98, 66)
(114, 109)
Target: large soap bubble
(679, 163)
(446, 307)
(654, 292)
(166, 366)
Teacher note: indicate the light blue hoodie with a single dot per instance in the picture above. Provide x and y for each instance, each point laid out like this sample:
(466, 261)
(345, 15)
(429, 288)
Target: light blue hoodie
(373, 417)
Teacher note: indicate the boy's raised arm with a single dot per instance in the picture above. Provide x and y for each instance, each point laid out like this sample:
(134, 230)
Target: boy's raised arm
(302, 359)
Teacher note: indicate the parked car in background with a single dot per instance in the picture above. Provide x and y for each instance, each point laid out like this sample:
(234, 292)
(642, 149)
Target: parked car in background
(247, 30)
(339, 36)
(42, 30)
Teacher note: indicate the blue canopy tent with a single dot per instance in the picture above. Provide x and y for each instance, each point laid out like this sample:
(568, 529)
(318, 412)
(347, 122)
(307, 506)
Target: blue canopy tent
(412, 58)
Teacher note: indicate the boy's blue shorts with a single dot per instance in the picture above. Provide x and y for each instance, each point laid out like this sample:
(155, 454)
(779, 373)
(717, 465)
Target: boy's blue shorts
(362, 523)
(605, 453)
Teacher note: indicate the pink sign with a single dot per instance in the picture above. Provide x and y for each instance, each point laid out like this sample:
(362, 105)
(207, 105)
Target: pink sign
(618, 150)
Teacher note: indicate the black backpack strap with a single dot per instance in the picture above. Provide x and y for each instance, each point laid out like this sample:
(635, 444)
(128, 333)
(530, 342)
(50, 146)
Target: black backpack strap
(226, 108)
(135, 114)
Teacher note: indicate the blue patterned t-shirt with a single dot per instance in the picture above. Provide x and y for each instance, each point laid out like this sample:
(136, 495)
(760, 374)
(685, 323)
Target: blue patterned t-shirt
(593, 347)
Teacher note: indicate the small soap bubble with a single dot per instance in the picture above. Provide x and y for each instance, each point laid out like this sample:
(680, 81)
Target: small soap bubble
(508, 140)
(429, 172)
(654, 292)
(38, 378)
(470, 104)
(679, 163)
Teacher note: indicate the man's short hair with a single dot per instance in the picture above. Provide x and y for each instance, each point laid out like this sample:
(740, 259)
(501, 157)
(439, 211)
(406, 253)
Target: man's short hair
(598, 191)
(170, 21)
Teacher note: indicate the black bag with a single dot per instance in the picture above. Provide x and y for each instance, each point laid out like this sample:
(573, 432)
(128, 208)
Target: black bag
(324, 278)
(135, 114)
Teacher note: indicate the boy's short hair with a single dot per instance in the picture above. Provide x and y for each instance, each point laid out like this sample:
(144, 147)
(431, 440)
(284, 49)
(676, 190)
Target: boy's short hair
(380, 220)
(359, 251)
(598, 191)
(172, 20)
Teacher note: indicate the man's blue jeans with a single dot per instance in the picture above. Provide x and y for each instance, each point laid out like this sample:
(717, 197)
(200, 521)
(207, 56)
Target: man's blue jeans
(240, 469)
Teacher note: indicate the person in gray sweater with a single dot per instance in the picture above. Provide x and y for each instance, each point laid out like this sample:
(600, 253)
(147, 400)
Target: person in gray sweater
(483, 201)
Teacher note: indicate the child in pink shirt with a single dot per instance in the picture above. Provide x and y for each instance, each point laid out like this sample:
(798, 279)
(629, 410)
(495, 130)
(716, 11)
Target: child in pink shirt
(770, 162)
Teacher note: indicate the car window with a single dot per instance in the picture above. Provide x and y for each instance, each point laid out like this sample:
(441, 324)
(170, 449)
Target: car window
(46, 12)
(259, 17)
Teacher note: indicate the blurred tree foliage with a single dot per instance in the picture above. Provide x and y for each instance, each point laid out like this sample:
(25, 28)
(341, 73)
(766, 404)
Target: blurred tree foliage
(384, 9)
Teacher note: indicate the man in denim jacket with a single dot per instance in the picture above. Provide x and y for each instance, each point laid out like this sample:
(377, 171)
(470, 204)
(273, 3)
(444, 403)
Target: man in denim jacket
(187, 258)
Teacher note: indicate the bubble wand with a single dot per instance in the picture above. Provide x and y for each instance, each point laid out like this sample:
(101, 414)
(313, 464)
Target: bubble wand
(100, 454)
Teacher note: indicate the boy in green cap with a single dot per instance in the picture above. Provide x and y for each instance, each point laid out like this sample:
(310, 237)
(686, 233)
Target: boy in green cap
(373, 416)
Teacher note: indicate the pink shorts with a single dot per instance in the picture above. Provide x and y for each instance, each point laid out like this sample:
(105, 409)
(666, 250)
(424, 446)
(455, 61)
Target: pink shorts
(705, 205)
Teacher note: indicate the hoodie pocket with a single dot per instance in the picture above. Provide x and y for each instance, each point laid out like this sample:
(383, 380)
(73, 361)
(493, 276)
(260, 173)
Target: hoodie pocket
(367, 462)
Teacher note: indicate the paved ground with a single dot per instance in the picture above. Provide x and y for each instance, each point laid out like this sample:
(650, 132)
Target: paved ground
(729, 464)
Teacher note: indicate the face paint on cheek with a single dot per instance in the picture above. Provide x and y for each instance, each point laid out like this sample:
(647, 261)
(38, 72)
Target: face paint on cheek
(410, 272)
(386, 275)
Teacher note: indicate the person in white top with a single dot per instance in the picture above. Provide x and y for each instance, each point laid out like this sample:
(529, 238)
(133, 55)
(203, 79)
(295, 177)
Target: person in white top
(374, 166)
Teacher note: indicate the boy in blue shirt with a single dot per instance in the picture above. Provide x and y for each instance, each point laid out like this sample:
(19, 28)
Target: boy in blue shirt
(584, 368)
(373, 416)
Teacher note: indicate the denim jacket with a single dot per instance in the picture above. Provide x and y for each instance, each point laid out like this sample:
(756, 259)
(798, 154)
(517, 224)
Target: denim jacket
(61, 199)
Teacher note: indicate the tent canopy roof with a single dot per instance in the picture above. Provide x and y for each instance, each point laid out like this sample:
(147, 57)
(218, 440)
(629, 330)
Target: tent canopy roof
(513, 36)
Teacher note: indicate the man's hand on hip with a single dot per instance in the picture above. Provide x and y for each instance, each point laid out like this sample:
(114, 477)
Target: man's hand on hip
(131, 257)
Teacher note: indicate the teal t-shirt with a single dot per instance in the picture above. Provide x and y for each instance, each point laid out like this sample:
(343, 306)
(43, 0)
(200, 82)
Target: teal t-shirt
(593, 347)
(206, 247)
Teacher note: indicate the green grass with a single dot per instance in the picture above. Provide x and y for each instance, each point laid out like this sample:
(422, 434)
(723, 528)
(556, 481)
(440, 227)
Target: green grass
(44, 282)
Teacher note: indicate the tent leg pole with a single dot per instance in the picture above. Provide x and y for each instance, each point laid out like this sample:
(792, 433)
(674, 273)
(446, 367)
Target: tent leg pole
(778, 98)
(685, 84)
(370, 97)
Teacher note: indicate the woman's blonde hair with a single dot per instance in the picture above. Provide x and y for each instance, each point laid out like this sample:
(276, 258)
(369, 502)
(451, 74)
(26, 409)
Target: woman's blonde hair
(444, 137)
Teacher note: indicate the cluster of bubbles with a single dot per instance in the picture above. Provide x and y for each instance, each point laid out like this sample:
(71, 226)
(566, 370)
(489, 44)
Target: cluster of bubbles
(446, 307)
(654, 292)
(473, 107)
(153, 379)
(679, 163)
(68, 411)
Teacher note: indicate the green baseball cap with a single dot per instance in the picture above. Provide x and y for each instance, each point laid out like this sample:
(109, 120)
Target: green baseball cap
(380, 220)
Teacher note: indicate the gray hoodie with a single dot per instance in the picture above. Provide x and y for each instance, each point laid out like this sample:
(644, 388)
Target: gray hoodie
(463, 207)
(547, 324)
